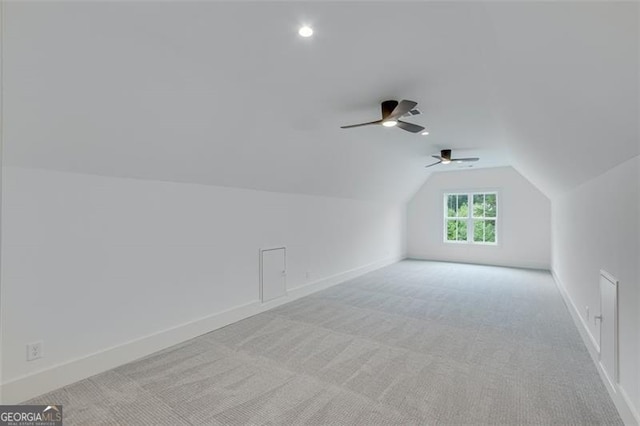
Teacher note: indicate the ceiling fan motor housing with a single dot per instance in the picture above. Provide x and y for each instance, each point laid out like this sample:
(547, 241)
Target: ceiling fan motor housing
(388, 107)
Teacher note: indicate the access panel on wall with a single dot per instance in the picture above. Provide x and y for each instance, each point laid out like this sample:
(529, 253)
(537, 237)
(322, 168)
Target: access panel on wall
(609, 327)
(273, 273)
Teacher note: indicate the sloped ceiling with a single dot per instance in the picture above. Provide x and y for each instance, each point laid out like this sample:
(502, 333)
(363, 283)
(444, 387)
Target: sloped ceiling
(229, 94)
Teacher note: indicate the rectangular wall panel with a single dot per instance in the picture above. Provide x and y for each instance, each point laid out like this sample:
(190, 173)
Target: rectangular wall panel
(609, 327)
(273, 282)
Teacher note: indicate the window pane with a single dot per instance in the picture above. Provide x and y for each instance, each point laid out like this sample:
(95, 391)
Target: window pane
(462, 230)
(452, 230)
(471, 213)
(456, 230)
(490, 231)
(463, 206)
(490, 205)
(478, 205)
(478, 230)
(451, 205)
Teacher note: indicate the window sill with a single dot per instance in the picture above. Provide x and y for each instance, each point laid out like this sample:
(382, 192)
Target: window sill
(472, 244)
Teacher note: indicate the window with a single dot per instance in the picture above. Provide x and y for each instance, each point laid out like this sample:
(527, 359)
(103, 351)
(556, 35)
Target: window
(476, 224)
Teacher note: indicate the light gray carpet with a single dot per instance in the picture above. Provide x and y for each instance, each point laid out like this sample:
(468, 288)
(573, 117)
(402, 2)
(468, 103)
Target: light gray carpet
(414, 343)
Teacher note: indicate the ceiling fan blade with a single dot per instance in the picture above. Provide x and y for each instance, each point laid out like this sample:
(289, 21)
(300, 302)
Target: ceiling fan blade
(465, 160)
(409, 127)
(401, 109)
(433, 164)
(361, 124)
(437, 157)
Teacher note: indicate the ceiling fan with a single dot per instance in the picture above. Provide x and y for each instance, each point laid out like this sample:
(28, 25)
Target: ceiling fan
(391, 113)
(445, 158)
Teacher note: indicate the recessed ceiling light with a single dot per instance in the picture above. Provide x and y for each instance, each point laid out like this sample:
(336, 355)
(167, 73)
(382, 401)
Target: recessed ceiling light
(389, 123)
(305, 31)
(425, 133)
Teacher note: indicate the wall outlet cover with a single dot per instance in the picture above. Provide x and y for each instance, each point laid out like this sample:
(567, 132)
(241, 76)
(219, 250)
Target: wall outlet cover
(34, 351)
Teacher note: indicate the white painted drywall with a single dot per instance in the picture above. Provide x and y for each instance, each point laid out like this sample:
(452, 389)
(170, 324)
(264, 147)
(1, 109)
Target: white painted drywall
(524, 225)
(93, 262)
(596, 226)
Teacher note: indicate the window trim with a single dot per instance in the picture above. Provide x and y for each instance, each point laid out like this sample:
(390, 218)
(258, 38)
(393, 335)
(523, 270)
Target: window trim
(470, 219)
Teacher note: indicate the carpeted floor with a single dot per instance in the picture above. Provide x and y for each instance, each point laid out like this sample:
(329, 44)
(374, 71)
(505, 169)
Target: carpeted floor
(414, 343)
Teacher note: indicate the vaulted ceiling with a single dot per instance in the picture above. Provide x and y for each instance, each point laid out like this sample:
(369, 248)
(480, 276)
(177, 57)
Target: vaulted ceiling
(227, 93)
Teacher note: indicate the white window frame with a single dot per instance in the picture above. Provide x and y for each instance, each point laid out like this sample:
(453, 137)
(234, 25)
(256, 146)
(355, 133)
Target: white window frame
(470, 219)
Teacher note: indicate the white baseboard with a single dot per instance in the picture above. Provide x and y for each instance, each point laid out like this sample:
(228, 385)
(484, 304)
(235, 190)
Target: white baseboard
(520, 264)
(623, 403)
(589, 340)
(40, 382)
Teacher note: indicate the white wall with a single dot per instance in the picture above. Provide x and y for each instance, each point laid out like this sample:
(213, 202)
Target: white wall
(596, 226)
(90, 263)
(523, 228)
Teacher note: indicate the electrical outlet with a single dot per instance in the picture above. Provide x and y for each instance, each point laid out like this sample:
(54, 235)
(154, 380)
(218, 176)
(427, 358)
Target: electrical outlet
(34, 351)
(587, 309)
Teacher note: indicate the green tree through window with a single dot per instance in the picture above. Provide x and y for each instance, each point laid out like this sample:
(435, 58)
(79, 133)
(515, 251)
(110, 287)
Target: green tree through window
(475, 224)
